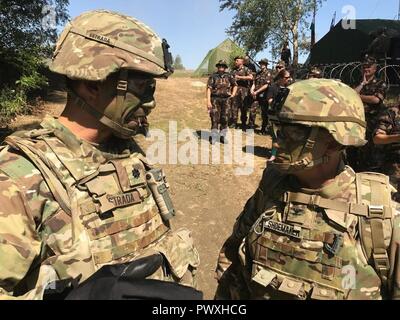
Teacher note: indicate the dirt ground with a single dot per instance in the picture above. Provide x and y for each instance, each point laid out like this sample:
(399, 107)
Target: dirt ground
(208, 198)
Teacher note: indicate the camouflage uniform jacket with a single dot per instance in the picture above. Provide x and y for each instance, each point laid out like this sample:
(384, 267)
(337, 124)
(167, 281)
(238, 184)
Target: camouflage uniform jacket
(243, 72)
(262, 78)
(221, 84)
(388, 123)
(302, 251)
(106, 216)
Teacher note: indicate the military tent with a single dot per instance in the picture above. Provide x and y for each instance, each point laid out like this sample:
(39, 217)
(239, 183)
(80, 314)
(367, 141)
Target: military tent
(225, 51)
(342, 45)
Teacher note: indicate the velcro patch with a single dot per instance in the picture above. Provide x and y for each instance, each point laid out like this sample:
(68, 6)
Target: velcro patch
(282, 228)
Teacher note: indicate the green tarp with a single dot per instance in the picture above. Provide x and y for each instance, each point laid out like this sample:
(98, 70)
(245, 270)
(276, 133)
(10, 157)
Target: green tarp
(343, 46)
(225, 51)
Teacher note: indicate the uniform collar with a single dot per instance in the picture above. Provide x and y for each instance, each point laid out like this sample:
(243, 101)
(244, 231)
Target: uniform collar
(335, 187)
(83, 149)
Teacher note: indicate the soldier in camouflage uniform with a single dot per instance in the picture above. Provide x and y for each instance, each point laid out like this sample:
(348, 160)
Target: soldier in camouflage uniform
(372, 92)
(387, 134)
(315, 229)
(243, 77)
(281, 65)
(259, 93)
(221, 88)
(76, 194)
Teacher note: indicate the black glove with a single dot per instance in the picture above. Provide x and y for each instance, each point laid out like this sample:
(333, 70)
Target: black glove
(128, 282)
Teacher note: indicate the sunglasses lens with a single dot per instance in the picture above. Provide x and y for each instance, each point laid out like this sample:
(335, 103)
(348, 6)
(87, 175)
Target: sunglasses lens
(290, 132)
(142, 86)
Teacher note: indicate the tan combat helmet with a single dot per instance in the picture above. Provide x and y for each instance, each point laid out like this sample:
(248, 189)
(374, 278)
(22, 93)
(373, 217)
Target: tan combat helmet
(316, 104)
(328, 104)
(99, 43)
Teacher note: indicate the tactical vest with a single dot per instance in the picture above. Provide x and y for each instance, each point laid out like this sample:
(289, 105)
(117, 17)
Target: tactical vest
(307, 247)
(371, 111)
(113, 215)
(221, 85)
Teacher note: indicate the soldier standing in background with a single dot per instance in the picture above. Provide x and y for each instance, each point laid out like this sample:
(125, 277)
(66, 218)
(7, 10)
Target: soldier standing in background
(281, 65)
(243, 77)
(372, 93)
(221, 88)
(281, 81)
(259, 93)
(80, 205)
(250, 65)
(387, 134)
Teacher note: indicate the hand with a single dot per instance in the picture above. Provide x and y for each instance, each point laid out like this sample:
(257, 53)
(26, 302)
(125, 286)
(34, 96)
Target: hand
(209, 107)
(364, 81)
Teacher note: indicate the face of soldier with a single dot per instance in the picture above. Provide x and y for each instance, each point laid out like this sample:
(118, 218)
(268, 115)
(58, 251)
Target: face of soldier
(239, 63)
(286, 80)
(290, 142)
(221, 69)
(263, 66)
(369, 70)
(137, 104)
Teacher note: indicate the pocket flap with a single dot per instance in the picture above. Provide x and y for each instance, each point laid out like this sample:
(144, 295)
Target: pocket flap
(179, 251)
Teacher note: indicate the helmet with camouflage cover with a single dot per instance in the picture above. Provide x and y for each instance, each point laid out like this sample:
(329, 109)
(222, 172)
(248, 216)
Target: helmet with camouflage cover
(100, 43)
(316, 104)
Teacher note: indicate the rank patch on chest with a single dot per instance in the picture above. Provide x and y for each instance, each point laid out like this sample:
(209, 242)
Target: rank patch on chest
(282, 228)
(124, 199)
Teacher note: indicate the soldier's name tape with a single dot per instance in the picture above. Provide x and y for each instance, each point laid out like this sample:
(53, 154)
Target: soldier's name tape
(282, 228)
(124, 199)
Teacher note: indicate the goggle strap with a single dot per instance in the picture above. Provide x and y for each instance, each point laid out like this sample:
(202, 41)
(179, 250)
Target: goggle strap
(78, 101)
(122, 87)
(310, 144)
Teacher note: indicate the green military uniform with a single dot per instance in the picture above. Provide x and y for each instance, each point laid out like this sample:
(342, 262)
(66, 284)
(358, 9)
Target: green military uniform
(389, 124)
(337, 242)
(99, 210)
(262, 78)
(370, 157)
(221, 85)
(242, 100)
(69, 207)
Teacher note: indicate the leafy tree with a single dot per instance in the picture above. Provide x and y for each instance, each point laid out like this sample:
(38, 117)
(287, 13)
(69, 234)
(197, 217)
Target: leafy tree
(262, 23)
(28, 29)
(178, 65)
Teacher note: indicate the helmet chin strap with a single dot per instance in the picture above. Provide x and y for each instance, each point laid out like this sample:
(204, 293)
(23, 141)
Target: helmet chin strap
(306, 162)
(122, 88)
